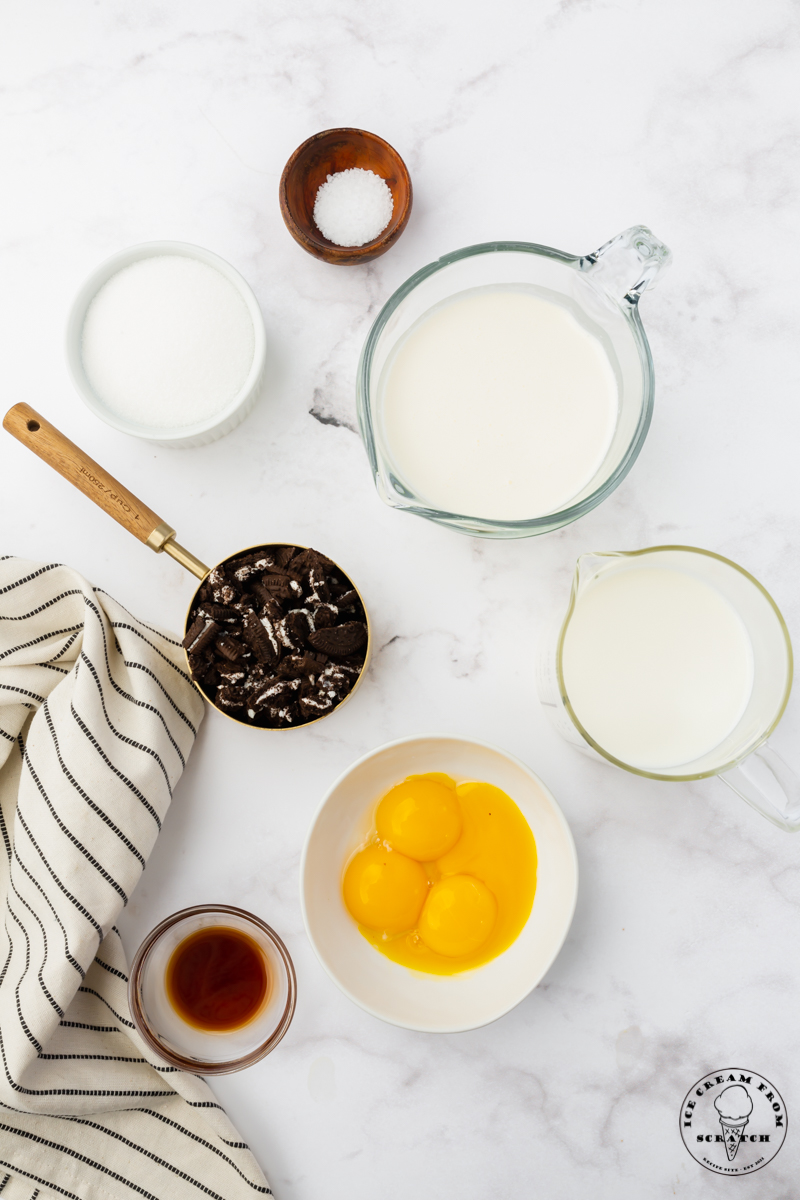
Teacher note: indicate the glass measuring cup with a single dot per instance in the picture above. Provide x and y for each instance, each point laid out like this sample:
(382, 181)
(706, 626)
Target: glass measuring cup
(743, 759)
(601, 290)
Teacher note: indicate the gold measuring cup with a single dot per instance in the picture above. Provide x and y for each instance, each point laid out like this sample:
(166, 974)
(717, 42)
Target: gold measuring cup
(30, 428)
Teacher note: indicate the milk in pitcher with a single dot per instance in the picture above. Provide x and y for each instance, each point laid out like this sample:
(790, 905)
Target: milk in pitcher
(657, 665)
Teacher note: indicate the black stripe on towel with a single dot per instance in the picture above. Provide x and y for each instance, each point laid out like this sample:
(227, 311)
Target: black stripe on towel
(43, 607)
(7, 687)
(92, 992)
(160, 653)
(111, 970)
(125, 695)
(34, 1041)
(66, 647)
(69, 834)
(43, 963)
(70, 1091)
(44, 637)
(8, 958)
(88, 733)
(34, 575)
(128, 741)
(70, 959)
(89, 1162)
(137, 666)
(98, 1057)
(3, 830)
(21, 1171)
(94, 807)
(93, 1028)
(265, 1191)
(83, 911)
(112, 1133)
(159, 632)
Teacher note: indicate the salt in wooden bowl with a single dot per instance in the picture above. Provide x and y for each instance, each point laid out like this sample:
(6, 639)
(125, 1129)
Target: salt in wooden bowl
(325, 154)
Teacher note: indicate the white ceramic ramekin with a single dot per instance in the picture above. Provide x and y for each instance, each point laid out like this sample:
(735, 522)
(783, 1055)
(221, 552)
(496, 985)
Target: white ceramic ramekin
(187, 435)
(434, 1003)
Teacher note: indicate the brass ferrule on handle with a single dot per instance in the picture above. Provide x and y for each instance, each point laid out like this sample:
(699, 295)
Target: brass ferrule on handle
(163, 538)
(185, 558)
(50, 444)
(159, 537)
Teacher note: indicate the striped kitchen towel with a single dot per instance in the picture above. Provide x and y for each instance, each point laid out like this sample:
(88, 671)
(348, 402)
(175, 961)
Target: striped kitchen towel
(97, 718)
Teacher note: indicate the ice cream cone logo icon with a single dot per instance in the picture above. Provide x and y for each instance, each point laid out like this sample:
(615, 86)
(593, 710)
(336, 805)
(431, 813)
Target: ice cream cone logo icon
(734, 1106)
(733, 1121)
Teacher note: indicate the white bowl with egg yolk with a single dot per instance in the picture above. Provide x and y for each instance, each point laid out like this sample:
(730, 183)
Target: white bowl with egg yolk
(434, 1003)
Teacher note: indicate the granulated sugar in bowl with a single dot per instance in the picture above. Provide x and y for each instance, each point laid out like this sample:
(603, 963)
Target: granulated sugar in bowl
(166, 341)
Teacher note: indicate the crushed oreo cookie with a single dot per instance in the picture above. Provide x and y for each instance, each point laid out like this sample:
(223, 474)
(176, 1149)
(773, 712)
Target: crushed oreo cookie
(277, 637)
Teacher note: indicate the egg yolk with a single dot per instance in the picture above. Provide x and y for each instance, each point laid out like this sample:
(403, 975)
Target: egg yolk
(420, 817)
(458, 916)
(384, 890)
(448, 878)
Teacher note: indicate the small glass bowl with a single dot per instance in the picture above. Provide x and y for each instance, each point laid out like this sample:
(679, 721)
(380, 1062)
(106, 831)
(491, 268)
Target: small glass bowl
(198, 1050)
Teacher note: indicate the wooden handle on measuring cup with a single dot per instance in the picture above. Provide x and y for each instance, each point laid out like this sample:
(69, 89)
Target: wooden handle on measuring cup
(28, 427)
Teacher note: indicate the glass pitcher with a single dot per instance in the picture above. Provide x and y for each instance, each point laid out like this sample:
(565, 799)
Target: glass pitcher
(601, 290)
(743, 759)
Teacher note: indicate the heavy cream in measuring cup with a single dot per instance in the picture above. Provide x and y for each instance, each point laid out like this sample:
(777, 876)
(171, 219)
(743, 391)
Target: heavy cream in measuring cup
(657, 665)
(498, 404)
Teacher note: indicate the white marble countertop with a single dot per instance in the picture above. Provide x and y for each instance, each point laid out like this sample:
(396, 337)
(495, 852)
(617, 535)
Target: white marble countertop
(557, 121)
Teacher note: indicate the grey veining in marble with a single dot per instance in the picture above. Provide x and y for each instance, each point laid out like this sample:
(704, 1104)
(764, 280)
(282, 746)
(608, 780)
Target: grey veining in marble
(557, 121)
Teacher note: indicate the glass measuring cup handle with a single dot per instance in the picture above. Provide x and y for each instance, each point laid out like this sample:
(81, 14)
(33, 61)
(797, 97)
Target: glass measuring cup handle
(635, 253)
(769, 785)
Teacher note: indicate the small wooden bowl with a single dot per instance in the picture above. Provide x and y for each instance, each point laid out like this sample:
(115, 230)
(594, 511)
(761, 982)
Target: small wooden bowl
(324, 154)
